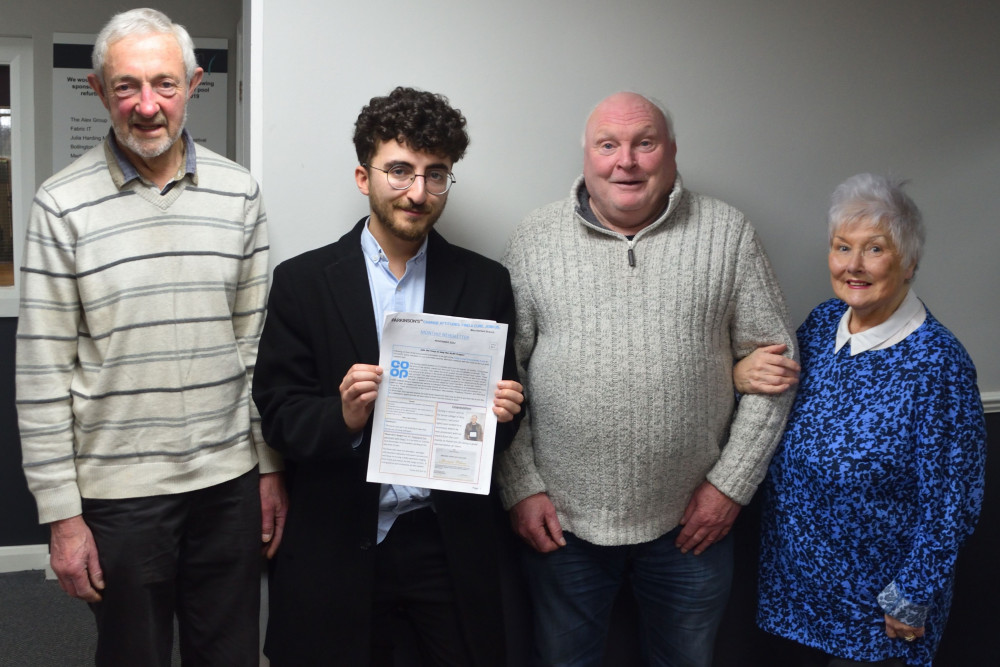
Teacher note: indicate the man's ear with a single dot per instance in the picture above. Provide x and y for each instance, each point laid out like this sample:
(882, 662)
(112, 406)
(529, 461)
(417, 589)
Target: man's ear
(195, 80)
(362, 179)
(95, 83)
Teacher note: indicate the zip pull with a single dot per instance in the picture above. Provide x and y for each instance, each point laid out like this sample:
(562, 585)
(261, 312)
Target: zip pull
(631, 257)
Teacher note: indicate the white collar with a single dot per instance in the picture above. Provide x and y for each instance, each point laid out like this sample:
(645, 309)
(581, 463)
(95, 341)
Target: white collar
(905, 320)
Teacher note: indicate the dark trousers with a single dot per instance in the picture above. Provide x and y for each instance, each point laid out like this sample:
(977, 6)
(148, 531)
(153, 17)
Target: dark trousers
(413, 587)
(797, 655)
(196, 555)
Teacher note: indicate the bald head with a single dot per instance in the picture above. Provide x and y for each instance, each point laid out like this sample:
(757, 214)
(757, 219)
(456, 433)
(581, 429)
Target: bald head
(638, 97)
(628, 161)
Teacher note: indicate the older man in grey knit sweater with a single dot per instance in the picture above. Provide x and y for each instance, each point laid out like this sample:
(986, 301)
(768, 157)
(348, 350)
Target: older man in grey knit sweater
(634, 299)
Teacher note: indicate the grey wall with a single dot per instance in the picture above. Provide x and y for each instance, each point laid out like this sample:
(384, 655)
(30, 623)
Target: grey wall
(775, 103)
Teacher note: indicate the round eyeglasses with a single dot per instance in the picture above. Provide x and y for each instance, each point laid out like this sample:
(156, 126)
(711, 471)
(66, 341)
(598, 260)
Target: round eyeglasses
(402, 176)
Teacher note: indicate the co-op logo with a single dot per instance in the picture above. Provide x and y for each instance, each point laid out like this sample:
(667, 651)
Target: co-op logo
(399, 369)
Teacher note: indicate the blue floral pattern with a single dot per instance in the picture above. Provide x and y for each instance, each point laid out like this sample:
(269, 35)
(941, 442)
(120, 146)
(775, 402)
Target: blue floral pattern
(876, 483)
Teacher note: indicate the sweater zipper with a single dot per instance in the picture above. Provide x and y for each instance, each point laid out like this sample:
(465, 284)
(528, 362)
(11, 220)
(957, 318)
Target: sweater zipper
(631, 253)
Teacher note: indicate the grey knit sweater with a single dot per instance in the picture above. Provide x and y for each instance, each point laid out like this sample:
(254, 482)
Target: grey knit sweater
(628, 368)
(137, 336)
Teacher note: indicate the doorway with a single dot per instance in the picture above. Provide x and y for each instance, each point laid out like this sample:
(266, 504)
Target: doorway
(6, 192)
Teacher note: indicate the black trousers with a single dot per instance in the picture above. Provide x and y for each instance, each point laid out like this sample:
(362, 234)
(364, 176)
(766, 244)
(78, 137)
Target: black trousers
(196, 555)
(794, 654)
(414, 594)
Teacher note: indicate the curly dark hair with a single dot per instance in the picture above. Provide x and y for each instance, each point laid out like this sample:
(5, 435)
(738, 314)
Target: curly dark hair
(422, 121)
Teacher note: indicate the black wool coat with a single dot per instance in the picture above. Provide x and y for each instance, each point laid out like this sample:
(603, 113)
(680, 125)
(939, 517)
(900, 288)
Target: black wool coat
(320, 322)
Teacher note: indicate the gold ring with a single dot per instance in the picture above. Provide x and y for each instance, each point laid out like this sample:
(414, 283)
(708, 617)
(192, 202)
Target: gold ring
(909, 638)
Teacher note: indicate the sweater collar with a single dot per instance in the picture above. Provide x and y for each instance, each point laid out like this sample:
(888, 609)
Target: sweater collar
(585, 214)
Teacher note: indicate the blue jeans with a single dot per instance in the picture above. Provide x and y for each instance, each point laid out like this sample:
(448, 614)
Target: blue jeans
(681, 599)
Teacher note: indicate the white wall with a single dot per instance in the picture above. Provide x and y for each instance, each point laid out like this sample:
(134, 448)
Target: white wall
(775, 102)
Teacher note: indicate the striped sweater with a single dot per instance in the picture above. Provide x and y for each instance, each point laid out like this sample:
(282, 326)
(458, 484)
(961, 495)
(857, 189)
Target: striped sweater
(626, 350)
(137, 335)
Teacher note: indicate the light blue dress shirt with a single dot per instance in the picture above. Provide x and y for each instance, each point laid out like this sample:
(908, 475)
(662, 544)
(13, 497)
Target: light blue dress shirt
(389, 295)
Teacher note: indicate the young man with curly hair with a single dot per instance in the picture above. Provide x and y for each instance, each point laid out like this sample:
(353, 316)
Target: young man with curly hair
(361, 560)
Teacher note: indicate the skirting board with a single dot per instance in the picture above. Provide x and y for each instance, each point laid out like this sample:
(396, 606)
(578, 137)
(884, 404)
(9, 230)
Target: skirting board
(29, 557)
(991, 401)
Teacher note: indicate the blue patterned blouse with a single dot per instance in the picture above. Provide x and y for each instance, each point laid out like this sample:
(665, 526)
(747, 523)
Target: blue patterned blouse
(876, 483)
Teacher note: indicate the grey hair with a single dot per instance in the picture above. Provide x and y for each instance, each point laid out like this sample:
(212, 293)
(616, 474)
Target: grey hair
(657, 104)
(880, 201)
(143, 21)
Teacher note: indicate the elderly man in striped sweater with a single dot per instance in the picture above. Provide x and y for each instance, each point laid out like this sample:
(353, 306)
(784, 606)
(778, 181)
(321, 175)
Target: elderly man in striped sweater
(144, 284)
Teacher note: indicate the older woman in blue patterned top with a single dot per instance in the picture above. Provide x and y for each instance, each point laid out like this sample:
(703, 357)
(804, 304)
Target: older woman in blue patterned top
(879, 477)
